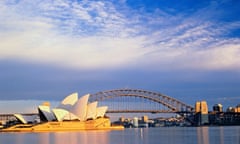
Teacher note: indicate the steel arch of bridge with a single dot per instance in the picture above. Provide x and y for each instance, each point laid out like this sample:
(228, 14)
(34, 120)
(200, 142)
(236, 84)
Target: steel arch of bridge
(173, 105)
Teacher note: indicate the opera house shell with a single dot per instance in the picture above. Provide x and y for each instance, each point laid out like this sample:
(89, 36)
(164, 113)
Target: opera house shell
(71, 114)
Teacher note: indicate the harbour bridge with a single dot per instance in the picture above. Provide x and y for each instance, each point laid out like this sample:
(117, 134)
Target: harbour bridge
(139, 101)
(133, 101)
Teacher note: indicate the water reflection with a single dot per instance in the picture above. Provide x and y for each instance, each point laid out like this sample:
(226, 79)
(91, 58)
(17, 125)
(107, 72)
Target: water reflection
(92, 137)
(203, 135)
(20, 138)
(170, 135)
(221, 137)
(43, 138)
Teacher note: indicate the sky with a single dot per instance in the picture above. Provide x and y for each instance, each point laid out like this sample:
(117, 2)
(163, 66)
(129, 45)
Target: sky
(189, 50)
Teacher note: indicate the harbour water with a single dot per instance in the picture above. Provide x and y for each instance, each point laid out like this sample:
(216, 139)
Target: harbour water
(161, 135)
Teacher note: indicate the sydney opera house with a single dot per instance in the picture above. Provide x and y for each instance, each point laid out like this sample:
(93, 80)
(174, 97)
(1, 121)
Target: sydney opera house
(72, 113)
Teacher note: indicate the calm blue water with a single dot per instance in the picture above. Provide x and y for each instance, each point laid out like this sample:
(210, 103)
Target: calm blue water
(162, 135)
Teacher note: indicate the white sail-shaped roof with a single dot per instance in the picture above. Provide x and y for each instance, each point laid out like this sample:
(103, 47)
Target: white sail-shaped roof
(20, 118)
(92, 110)
(26, 118)
(60, 113)
(70, 116)
(69, 101)
(46, 112)
(80, 107)
(101, 111)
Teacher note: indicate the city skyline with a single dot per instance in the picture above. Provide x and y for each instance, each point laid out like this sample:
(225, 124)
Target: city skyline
(189, 50)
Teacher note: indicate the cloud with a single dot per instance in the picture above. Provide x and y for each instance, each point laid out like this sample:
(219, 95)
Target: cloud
(97, 34)
(194, 45)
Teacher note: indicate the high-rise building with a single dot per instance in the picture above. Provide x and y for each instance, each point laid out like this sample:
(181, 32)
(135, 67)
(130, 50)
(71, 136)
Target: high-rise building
(204, 107)
(201, 109)
(198, 107)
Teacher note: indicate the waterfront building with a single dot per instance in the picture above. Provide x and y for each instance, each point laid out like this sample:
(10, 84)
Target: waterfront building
(101, 111)
(218, 108)
(234, 109)
(45, 113)
(201, 113)
(230, 109)
(68, 101)
(71, 108)
(237, 109)
(135, 122)
(92, 110)
(121, 119)
(198, 107)
(71, 114)
(145, 119)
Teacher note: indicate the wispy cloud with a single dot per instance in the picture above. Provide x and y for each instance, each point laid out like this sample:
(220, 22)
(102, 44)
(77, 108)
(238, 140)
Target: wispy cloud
(94, 34)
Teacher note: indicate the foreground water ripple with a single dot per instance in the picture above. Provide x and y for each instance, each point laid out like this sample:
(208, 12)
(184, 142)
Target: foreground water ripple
(162, 135)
